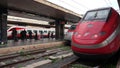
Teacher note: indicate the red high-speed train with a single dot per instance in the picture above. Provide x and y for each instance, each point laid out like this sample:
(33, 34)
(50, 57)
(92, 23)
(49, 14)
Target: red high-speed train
(97, 35)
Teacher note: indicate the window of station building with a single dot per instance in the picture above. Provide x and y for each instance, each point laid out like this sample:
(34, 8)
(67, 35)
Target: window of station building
(97, 15)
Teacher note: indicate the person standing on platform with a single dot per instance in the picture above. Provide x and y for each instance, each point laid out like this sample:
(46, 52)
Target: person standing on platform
(21, 35)
(24, 34)
(52, 35)
(30, 35)
(49, 34)
(36, 36)
(14, 35)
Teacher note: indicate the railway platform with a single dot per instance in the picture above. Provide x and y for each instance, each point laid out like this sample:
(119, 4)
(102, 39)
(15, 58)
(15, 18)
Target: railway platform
(26, 45)
(12, 43)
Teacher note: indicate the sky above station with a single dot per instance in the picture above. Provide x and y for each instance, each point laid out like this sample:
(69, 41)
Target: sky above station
(81, 6)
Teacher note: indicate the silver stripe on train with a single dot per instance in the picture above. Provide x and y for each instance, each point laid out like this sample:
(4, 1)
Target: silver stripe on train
(104, 43)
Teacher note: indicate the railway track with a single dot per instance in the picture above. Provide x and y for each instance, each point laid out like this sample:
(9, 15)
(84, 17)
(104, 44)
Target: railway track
(9, 60)
(113, 62)
(13, 55)
(74, 62)
(118, 64)
(14, 60)
(60, 61)
(48, 58)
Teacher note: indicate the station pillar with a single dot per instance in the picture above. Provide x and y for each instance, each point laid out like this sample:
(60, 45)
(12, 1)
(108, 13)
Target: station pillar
(62, 23)
(3, 24)
(59, 30)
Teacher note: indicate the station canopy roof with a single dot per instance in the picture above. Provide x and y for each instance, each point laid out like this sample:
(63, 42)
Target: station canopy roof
(41, 10)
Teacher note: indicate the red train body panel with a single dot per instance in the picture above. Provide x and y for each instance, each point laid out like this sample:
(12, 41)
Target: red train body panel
(97, 33)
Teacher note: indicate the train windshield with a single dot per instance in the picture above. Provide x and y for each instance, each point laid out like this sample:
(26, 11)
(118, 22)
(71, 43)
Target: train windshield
(72, 27)
(101, 15)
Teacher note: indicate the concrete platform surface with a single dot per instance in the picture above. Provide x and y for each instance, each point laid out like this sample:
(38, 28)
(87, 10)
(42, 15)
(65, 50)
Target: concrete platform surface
(13, 47)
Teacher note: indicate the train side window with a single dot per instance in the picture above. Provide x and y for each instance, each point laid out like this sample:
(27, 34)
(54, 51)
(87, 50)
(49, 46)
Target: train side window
(29, 30)
(40, 31)
(45, 31)
(34, 31)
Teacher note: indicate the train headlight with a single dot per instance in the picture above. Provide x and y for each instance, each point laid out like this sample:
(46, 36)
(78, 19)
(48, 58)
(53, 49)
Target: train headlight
(99, 34)
(95, 36)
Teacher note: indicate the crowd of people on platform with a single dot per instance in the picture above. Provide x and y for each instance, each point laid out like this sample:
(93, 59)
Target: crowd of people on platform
(50, 34)
(23, 35)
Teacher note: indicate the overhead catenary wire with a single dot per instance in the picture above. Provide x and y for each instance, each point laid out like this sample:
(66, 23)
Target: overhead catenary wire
(107, 3)
(71, 5)
(80, 4)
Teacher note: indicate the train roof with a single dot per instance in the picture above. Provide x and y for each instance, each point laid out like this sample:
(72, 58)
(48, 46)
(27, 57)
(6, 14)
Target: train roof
(101, 9)
(109, 8)
(104, 8)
